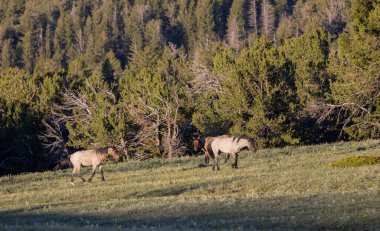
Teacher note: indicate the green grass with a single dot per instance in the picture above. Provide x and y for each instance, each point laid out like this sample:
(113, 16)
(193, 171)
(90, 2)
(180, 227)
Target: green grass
(276, 189)
(355, 161)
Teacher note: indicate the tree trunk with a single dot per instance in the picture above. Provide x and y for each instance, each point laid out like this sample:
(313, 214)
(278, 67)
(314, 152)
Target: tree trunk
(168, 137)
(123, 147)
(158, 135)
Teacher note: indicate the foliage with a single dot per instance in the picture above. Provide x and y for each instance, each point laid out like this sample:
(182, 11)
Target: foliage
(356, 87)
(24, 102)
(155, 97)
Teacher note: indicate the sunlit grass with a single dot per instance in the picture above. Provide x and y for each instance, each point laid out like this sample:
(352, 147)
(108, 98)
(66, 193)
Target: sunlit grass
(287, 188)
(355, 161)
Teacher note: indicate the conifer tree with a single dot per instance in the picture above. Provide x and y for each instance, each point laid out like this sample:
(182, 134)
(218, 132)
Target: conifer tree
(236, 23)
(356, 90)
(204, 14)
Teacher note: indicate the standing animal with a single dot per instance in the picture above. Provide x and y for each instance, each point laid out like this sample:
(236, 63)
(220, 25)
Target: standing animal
(92, 158)
(230, 145)
(200, 143)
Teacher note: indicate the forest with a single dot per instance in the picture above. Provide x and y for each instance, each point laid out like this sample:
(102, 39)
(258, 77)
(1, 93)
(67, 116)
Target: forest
(144, 75)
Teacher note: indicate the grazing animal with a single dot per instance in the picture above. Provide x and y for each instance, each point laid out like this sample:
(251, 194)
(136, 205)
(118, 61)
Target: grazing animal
(203, 144)
(92, 158)
(230, 145)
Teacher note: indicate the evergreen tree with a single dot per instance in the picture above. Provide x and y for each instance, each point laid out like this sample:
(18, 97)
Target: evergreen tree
(154, 97)
(356, 66)
(96, 119)
(204, 14)
(236, 23)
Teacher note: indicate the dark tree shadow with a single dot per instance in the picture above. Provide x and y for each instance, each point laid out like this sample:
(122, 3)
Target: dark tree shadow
(313, 212)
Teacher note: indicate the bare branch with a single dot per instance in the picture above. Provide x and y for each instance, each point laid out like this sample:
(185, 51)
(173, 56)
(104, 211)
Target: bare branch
(267, 18)
(252, 19)
(72, 101)
(52, 138)
(204, 80)
(346, 112)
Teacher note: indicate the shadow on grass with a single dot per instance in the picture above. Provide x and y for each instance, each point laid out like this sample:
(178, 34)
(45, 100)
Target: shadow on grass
(372, 146)
(313, 212)
(180, 189)
(203, 165)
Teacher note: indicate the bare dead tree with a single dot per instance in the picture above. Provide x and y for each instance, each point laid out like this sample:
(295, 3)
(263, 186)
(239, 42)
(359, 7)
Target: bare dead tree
(252, 17)
(158, 126)
(233, 39)
(142, 12)
(80, 41)
(172, 144)
(267, 18)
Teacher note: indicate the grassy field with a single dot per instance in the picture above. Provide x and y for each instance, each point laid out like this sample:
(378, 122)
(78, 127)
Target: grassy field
(276, 189)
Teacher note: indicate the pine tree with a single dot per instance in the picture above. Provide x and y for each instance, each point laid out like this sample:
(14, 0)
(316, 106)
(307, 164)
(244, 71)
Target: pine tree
(356, 66)
(236, 23)
(204, 14)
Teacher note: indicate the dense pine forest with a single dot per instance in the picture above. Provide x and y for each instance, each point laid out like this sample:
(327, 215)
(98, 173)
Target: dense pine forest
(144, 75)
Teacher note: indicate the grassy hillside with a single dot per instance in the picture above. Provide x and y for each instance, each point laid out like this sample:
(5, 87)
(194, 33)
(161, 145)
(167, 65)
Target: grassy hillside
(288, 188)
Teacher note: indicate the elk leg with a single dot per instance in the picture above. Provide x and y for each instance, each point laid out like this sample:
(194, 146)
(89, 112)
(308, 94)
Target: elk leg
(207, 158)
(93, 173)
(72, 176)
(235, 165)
(217, 162)
(76, 171)
(213, 167)
(227, 158)
(101, 173)
(81, 177)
